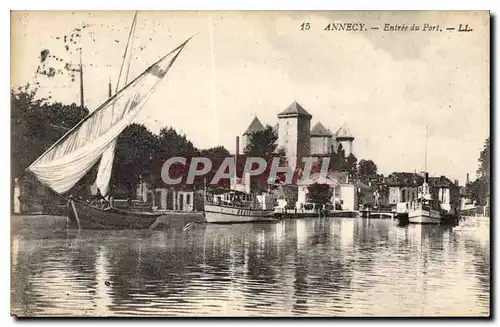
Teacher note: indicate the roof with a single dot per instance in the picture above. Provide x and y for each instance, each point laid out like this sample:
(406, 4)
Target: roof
(320, 130)
(294, 110)
(343, 132)
(332, 179)
(255, 126)
(404, 179)
(441, 181)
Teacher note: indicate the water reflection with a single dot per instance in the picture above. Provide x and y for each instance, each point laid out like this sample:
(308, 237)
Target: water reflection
(316, 266)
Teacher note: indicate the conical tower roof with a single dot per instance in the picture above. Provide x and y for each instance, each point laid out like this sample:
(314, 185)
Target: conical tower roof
(255, 126)
(344, 133)
(320, 130)
(294, 110)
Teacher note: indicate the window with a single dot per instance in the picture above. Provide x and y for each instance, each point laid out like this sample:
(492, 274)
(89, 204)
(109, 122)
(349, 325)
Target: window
(188, 199)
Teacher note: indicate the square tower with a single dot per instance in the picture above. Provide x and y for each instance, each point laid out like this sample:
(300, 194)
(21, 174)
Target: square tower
(294, 133)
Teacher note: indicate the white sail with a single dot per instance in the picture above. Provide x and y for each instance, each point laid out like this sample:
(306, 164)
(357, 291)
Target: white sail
(105, 169)
(106, 164)
(72, 156)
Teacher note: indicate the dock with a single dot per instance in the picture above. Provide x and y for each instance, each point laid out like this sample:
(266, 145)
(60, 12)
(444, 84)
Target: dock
(380, 214)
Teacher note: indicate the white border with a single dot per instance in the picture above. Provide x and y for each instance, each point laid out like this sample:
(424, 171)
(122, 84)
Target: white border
(6, 320)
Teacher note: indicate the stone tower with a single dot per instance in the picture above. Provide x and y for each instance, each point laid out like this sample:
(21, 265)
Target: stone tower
(344, 137)
(321, 140)
(294, 133)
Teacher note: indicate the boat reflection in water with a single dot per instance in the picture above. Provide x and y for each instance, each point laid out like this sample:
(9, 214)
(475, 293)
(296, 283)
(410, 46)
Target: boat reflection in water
(311, 266)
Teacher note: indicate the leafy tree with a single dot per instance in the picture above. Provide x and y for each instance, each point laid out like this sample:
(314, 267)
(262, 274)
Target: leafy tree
(350, 166)
(479, 190)
(484, 160)
(319, 194)
(336, 161)
(134, 154)
(35, 126)
(367, 170)
(215, 152)
(262, 143)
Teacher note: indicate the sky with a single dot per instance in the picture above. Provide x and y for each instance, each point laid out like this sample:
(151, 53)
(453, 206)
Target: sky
(385, 86)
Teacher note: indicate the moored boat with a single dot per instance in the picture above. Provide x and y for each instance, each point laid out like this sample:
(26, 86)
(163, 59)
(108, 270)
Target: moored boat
(93, 140)
(231, 206)
(425, 210)
(424, 214)
(85, 216)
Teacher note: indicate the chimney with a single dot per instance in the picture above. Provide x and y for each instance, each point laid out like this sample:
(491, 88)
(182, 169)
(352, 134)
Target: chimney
(467, 179)
(237, 154)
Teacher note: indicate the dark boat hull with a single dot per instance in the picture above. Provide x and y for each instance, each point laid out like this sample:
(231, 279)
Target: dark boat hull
(85, 216)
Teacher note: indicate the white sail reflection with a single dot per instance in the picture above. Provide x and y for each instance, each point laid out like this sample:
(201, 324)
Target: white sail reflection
(103, 300)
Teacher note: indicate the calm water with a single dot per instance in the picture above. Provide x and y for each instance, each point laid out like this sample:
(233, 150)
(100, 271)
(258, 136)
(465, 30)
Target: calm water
(309, 267)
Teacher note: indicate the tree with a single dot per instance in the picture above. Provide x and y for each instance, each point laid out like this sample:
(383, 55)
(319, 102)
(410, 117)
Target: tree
(262, 143)
(336, 161)
(479, 190)
(350, 166)
(215, 152)
(134, 155)
(319, 194)
(367, 169)
(35, 126)
(484, 160)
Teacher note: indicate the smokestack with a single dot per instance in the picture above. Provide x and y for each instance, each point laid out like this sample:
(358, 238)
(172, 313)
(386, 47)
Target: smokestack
(467, 179)
(237, 154)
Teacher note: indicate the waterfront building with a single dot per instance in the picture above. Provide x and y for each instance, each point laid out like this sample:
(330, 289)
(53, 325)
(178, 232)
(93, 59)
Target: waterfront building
(343, 191)
(172, 198)
(403, 187)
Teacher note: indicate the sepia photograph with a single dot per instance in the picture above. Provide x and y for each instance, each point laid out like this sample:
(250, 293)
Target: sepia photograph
(250, 164)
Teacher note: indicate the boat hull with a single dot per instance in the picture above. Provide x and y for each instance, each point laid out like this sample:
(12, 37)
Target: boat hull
(85, 216)
(422, 216)
(217, 214)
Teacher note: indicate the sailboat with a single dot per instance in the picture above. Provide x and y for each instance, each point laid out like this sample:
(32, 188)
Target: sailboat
(92, 139)
(423, 209)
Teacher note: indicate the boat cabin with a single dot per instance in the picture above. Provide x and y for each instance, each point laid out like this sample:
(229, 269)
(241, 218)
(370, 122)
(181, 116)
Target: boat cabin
(234, 198)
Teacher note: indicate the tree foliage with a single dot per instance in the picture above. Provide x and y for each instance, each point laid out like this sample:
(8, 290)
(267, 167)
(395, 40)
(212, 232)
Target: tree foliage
(479, 190)
(36, 125)
(484, 160)
(367, 169)
(262, 143)
(319, 194)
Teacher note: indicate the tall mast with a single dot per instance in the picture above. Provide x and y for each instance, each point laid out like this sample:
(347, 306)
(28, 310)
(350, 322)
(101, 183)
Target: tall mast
(130, 41)
(110, 91)
(82, 101)
(426, 137)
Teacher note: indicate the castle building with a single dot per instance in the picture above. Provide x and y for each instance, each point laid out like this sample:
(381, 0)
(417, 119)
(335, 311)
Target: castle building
(297, 138)
(294, 133)
(321, 140)
(344, 137)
